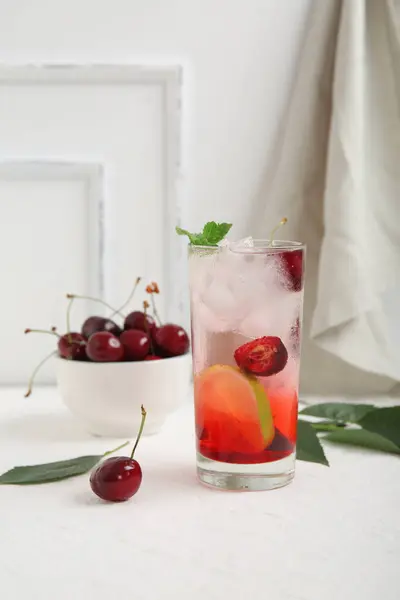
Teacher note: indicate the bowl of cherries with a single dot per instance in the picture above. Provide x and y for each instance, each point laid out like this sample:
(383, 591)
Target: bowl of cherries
(114, 364)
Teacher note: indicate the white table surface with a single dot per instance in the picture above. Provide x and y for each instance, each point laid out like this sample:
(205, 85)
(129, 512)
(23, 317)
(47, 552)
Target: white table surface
(333, 534)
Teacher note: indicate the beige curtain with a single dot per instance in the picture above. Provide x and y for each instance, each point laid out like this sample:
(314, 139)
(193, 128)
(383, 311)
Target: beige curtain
(336, 176)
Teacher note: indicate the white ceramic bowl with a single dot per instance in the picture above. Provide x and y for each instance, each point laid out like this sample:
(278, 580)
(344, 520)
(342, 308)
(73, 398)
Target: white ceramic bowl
(106, 397)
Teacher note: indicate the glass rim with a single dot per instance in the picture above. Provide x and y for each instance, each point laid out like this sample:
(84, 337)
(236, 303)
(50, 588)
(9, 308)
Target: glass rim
(261, 246)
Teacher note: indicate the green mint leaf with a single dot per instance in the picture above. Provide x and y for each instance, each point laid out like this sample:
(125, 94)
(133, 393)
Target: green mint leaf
(194, 238)
(338, 411)
(362, 438)
(384, 422)
(181, 231)
(308, 447)
(211, 235)
(215, 232)
(54, 471)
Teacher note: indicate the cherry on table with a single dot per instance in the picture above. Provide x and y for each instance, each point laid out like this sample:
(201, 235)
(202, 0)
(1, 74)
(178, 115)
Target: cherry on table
(94, 324)
(152, 357)
(136, 344)
(139, 320)
(171, 340)
(104, 347)
(118, 478)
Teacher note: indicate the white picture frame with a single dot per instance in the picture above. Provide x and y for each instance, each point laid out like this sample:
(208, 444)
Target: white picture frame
(92, 174)
(169, 80)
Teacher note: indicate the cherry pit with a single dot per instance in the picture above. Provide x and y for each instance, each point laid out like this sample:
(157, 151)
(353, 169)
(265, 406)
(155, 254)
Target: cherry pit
(119, 337)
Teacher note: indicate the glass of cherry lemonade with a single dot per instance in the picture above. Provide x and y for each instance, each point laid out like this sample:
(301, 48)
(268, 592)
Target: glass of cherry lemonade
(246, 313)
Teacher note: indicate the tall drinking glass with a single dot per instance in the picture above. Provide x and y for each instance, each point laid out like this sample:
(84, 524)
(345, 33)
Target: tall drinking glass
(246, 314)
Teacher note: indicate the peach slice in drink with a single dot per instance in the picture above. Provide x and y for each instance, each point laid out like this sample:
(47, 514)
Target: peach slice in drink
(233, 409)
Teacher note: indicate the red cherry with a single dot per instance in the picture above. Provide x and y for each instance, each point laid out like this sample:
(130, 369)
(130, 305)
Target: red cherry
(72, 345)
(104, 347)
(153, 357)
(116, 479)
(136, 344)
(171, 340)
(138, 320)
(293, 266)
(94, 324)
(264, 356)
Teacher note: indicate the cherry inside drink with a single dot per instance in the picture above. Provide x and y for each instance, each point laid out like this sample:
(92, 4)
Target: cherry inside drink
(246, 311)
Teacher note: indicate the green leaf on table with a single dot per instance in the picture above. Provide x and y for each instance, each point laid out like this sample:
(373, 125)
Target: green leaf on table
(338, 411)
(362, 438)
(48, 472)
(54, 471)
(308, 447)
(211, 235)
(384, 422)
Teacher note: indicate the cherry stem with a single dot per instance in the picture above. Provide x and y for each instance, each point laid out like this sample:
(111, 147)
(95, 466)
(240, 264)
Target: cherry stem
(49, 332)
(32, 378)
(128, 300)
(145, 307)
(275, 229)
(71, 300)
(73, 296)
(115, 449)
(153, 302)
(139, 435)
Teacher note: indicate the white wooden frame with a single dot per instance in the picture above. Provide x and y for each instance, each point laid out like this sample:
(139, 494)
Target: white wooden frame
(93, 175)
(169, 79)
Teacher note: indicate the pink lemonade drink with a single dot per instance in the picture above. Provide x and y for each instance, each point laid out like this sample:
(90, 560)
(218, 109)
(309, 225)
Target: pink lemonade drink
(246, 311)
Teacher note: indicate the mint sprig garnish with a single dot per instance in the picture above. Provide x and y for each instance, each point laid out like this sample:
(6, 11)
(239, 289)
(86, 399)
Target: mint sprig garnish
(211, 235)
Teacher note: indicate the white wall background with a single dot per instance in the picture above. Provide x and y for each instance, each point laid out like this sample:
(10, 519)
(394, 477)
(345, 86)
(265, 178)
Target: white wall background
(239, 58)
